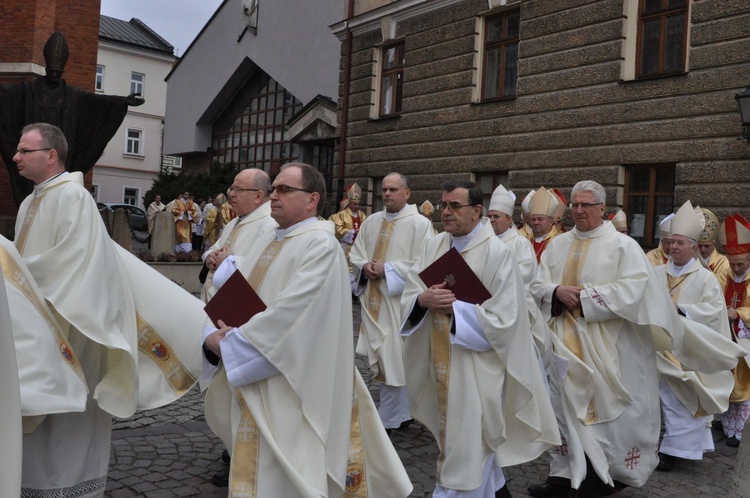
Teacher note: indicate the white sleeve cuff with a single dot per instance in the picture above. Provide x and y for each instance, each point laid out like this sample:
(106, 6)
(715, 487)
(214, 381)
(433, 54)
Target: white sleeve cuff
(593, 306)
(244, 364)
(224, 271)
(349, 237)
(394, 280)
(469, 333)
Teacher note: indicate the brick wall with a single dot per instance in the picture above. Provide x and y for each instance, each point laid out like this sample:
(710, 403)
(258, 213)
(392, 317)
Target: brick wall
(25, 26)
(573, 118)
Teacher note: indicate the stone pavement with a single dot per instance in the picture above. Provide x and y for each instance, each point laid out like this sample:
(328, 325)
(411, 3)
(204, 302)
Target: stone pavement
(171, 452)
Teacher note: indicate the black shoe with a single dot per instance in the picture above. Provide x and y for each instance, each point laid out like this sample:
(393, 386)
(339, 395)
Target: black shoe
(225, 456)
(733, 442)
(666, 462)
(717, 425)
(503, 492)
(405, 424)
(548, 490)
(221, 478)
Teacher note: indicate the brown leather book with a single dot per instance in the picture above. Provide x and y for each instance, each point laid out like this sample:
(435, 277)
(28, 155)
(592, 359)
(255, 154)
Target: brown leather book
(235, 303)
(461, 279)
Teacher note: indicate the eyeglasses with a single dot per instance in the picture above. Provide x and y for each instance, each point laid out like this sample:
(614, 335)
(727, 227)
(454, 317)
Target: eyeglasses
(283, 189)
(26, 151)
(452, 206)
(584, 205)
(237, 190)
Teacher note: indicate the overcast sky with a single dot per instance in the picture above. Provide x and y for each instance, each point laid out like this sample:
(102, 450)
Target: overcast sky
(177, 21)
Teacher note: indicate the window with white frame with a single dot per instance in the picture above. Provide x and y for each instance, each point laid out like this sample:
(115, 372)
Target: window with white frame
(130, 196)
(137, 80)
(391, 79)
(99, 84)
(134, 142)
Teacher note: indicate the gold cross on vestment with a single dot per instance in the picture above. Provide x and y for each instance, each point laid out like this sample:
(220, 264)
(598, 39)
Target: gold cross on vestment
(735, 300)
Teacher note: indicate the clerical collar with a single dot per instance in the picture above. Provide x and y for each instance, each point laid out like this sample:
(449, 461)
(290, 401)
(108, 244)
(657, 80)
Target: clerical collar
(282, 232)
(355, 214)
(461, 242)
(45, 182)
(540, 239)
(741, 278)
(676, 271)
(392, 216)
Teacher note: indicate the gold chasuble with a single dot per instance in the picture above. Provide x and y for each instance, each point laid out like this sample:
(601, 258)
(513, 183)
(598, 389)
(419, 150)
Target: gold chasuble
(604, 385)
(305, 333)
(478, 404)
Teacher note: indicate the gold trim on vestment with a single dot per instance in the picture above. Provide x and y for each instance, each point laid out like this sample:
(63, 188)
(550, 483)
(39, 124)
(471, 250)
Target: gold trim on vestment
(27, 221)
(243, 478)
(160, 352)
(356, 479)
(441, 359)
(14, 273)
(375, 295)
(572, 276)
(674, 288)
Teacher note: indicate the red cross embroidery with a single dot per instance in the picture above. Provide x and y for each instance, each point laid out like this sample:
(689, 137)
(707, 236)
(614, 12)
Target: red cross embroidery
(632, 458)
(596, 297)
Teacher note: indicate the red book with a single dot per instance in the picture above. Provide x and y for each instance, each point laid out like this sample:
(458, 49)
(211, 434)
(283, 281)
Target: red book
(235, 303)
(460, 278)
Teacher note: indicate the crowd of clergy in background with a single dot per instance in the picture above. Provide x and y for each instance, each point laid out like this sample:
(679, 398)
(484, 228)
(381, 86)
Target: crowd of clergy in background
(507, 342)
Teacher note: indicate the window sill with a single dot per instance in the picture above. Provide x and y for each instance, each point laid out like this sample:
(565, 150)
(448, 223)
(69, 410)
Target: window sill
(495, 100)
(385, 118)
(654, 77)
(134, 156)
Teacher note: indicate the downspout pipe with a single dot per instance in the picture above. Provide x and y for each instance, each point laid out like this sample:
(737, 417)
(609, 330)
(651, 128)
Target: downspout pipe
(344, 105)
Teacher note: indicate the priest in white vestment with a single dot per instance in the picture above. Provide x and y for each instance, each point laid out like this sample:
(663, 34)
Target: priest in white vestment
(286, 398)
(387, 245)
(81, 275)
(500, 215)
(689, 398)
(248, 197)
(471, 369)
(608, 315)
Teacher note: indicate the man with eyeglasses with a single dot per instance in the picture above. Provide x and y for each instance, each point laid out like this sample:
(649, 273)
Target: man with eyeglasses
(608, 315)
(89, 282)
(185, 214)
(388, 243)
(248, 198)
(287, 397)
(472, 373)
(542, 208)
(660, 255)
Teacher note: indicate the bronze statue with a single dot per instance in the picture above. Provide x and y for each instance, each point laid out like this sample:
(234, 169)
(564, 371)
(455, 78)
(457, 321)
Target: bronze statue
(89, 121)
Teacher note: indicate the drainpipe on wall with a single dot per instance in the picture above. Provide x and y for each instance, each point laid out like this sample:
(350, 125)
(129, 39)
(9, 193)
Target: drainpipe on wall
(344, 106)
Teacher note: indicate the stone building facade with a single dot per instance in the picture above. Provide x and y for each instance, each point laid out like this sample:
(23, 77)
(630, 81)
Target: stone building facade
(638, 95)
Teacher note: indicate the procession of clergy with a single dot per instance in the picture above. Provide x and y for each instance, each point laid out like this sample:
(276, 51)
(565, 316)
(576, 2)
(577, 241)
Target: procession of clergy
(582, 344)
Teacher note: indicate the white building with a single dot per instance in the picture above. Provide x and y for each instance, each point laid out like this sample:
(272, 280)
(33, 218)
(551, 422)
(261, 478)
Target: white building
(132, 59)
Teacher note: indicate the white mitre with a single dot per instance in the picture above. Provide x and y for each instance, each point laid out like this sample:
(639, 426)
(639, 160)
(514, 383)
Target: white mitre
(502, 201)
(688, 221)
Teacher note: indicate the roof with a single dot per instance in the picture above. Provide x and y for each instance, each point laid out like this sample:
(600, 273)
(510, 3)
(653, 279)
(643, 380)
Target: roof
(133, 33)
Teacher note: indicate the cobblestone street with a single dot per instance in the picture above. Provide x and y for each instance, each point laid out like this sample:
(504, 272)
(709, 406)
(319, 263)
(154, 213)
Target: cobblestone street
(171, 452)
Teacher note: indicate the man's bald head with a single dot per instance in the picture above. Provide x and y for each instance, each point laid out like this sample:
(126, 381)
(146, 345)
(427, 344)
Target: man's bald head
(249, 191)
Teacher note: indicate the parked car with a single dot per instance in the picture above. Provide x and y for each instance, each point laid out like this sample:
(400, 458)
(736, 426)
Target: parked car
(138, 219)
